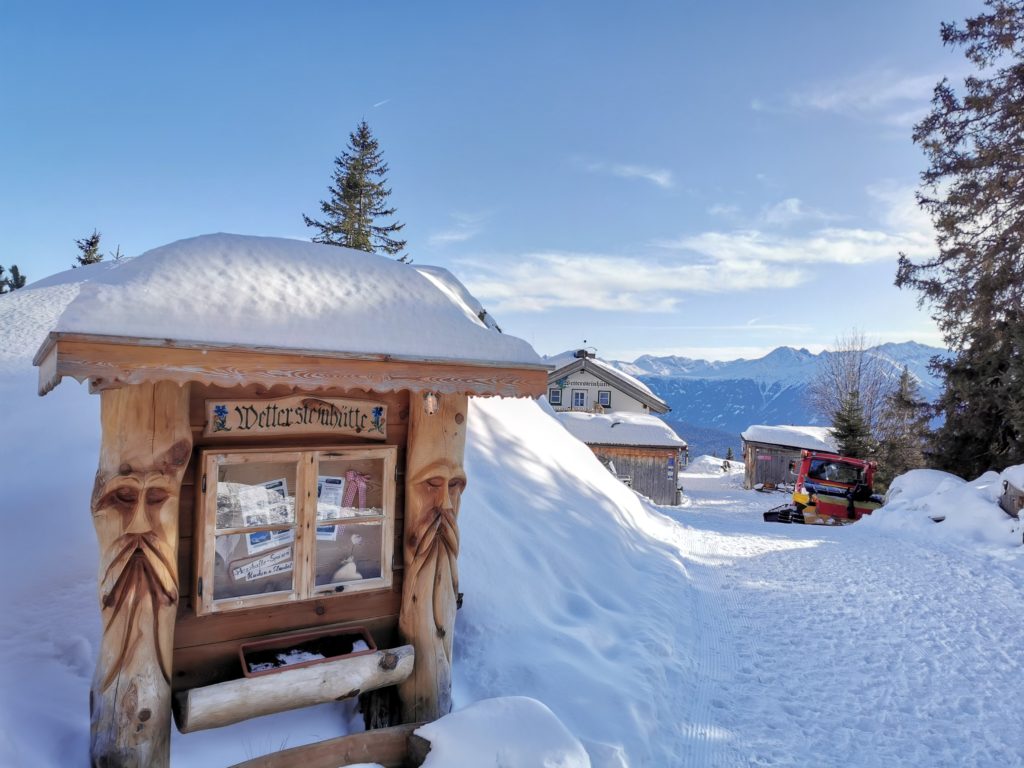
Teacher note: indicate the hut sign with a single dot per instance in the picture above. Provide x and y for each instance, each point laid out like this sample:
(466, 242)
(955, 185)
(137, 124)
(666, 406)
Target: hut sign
(297, 415)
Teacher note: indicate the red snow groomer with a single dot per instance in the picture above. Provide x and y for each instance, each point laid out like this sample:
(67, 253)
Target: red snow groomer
(830, 490)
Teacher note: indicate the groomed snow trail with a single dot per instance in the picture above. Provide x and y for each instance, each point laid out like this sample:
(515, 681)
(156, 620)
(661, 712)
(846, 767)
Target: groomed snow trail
(822, 646)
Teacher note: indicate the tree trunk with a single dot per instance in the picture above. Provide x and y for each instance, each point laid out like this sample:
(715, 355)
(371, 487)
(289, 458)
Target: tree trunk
(145, 446)
(434, 483)
(232, 701)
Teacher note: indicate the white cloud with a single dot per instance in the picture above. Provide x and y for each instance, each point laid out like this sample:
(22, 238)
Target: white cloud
(891, 97)
(904, 228)
(465, 227)
(540, 281)
(660, 177)
(792, 210)
(721, 209)
(706, 262)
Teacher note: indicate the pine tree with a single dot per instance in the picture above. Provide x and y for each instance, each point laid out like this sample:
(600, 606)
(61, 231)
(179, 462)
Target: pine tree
(904, 430)
(16, 280)
(982, 403)
(359, 200)
(90, 250)
(974, 144)
(729, 454)
(851, 429)
(4, 285)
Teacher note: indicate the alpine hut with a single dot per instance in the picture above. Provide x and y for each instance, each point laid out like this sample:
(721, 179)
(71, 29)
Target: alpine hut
(615, 415)
(280, 470)
(768, 451)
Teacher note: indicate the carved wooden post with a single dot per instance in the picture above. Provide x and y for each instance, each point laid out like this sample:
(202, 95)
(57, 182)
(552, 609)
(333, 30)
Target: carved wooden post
(433, 488)
(145, 447)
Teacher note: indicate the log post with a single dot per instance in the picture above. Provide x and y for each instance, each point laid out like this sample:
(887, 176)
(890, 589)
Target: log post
(433, 488)
(145, 446)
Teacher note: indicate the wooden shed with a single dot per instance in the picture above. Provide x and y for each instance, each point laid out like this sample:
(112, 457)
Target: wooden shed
(768, 451)
(638, 448)
(279, 480)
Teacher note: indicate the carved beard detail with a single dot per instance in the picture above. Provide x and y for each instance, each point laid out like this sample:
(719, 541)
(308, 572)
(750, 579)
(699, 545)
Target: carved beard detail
(437, 540)
(142, 574)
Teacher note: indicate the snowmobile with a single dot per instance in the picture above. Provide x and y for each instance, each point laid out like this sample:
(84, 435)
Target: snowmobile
(830, 490)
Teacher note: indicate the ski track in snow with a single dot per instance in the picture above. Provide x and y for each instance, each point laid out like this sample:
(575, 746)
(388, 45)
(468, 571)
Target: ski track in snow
(821, 646)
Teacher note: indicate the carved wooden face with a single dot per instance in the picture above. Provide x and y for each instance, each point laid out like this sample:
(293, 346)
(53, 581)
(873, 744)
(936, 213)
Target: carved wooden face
(438, 486)
(134, 512)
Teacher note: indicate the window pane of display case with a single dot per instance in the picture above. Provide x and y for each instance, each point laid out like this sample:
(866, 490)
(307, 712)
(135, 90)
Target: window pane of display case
(350, 488)
(255, 494)
(253, 563)
(348, 552)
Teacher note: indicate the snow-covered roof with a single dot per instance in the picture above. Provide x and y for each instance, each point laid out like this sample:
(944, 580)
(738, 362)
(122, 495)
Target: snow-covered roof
(622, 375)
(291, 294)
(809, 438)
(620, 428)
(609, 373)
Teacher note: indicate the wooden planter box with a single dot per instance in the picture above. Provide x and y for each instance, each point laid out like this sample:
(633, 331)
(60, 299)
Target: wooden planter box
(332, 644)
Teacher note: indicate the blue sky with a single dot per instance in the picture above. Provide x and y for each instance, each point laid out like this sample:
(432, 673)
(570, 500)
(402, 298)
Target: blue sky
(705, 179)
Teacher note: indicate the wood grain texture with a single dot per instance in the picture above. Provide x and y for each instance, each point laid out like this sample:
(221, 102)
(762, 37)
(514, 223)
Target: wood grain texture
(435, 479)
(210, 663)
(109, 362)
(389, 747)
(145, 447)
(192, 630)
(233, 701)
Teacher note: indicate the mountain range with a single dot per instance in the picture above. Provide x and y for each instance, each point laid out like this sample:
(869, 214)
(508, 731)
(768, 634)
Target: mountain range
(714, 401)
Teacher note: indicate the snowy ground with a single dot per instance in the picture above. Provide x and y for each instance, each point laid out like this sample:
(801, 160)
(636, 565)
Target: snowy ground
(689, 636)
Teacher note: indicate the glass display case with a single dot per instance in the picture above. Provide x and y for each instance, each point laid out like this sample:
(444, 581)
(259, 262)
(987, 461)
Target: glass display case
(275, 526)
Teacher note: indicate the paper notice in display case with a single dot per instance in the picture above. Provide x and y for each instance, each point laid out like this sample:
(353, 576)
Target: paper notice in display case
(329, 491)
(266, 504)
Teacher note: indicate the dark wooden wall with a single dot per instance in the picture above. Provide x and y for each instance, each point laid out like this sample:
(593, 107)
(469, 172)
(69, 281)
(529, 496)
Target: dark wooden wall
(647, 469)
(206, 647)
(768, 463)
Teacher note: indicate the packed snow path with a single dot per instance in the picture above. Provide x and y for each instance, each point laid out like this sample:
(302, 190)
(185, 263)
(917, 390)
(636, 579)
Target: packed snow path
(822, 646)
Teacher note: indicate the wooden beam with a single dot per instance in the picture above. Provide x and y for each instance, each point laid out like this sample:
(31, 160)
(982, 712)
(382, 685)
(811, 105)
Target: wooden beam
(395, 747)
(232, 701)
(145, 446)
(434, 482)
(109, 362)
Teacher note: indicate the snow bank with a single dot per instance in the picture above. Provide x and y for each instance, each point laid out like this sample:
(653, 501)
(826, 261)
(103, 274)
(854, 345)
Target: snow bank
(809, 438)
(274, 292)
(567, 575)
(513, 732)
(938, 505)
(620, 428)
(709, 473)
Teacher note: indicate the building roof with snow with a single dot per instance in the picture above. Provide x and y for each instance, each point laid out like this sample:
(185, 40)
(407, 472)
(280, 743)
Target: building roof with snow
(620, 428)
(279, 296)
(274, 292)
(606, 372)
(805, 438)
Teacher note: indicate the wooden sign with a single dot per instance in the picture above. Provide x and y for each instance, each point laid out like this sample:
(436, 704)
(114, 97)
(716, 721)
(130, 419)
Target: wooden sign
(296, 415)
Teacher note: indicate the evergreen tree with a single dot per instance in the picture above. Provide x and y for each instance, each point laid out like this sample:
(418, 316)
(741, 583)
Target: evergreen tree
(974, 285)
(983, 403)
(851, 429)
(16, 280)
(904, 430)
(359, 200)
(4, 285)
(729, 454)
(90, 250)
